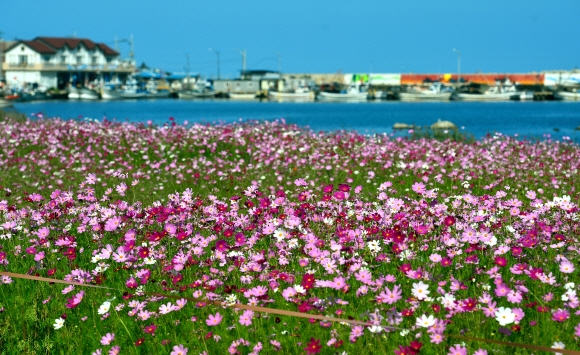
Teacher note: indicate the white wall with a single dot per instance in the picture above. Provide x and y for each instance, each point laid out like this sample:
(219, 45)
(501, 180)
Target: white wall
(20, 77)
(12, 56)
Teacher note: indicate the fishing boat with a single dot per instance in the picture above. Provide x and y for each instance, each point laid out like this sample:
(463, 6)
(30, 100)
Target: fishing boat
(567, 95)
(296, 94)
(523, 96)
(202, 89)
(130, 90)
(155, 91)
(242, 96)
(498, 92)
(196, 94)
(82, 93)
(435, 91)
(352, 93)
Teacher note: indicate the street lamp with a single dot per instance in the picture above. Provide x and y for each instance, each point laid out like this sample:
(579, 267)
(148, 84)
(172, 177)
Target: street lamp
(279, 62)
(458, 66)
(218, 62)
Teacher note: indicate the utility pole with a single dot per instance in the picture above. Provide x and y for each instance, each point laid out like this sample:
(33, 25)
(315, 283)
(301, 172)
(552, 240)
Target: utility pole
(218, 62)
(279, 62)
(243, 53)
(458, 66)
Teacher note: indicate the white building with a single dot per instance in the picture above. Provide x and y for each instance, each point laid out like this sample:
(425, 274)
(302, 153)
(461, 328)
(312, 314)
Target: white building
(58, 62)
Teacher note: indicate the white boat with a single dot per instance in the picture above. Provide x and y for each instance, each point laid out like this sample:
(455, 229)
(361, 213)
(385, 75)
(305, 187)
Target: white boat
(82, 94)
(195, 94)
(567, 95)
(436, 91)
(242, 96)
(5, 103)
(202, 89)
(297, 94)
(110, 94)
(353, 93)
(158, 94)
(128, 91)
(523, 96)
(498, 92)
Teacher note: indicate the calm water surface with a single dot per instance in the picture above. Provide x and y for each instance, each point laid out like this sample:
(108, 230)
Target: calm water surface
(532, 119)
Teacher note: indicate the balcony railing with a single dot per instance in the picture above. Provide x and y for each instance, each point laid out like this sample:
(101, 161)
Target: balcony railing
(66, 67)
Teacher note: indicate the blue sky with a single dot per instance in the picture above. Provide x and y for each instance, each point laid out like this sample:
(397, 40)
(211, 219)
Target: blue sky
(317, 36)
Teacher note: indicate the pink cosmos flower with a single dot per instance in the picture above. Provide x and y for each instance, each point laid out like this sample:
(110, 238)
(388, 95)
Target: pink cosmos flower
(214, 320)
(502, 290)
(113, 223)
(115, 350)
(393, 296)
(108, 338)
(246, 318)
(566, 267)
(436, 338)
(490, 310)
(179, 350)
(457, 350)
(418, 187)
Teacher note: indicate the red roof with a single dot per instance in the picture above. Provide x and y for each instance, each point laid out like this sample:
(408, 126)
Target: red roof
(51, 44)
(36, 46)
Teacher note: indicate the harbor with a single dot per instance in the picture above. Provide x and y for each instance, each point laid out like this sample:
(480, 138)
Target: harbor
(64, 68)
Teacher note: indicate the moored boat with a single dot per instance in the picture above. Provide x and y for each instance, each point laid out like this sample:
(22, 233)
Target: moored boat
(436, 91)
(82, 94)
(242, 96)
(195, 94)
(353, 93)
(5, 103)
(498, 92)
(567, 95)
(296, 94)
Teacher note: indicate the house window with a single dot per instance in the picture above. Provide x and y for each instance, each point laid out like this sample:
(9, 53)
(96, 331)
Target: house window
(63, 59)
(22, 59)
(46, 58)
(94, 59)
(79, 59)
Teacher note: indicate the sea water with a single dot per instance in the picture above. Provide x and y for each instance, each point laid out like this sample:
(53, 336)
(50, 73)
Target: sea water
(525, 119)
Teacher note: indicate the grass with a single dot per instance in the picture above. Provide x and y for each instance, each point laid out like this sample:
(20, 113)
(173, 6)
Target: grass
(217, 163)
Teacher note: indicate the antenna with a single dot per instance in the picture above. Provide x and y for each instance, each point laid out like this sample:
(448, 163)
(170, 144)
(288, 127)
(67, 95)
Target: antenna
(132, 53)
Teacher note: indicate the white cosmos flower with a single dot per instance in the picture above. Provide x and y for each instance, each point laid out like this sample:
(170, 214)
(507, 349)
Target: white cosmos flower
(299, 289)
(58, 323)
(104, 308)
(375, 329)
(505, 316)
(569, 286)
(558, 345)
(420, 290)
(425, 321)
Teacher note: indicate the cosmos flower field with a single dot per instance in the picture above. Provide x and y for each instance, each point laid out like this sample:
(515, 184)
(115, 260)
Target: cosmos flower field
(424, 240)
